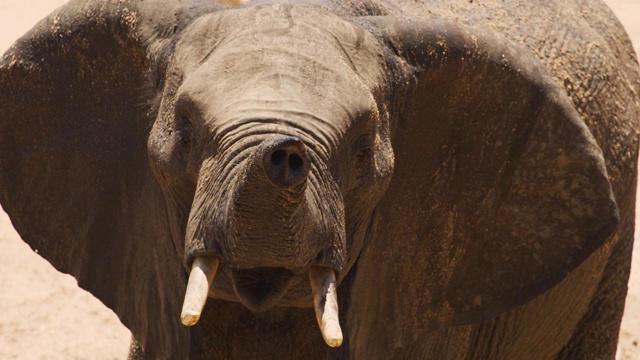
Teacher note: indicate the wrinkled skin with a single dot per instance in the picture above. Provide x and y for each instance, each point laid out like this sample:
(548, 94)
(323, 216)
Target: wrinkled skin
(466, 169)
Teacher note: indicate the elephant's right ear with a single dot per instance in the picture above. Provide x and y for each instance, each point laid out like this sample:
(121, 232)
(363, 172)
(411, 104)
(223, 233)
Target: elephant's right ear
(499, 189)
(74, 174)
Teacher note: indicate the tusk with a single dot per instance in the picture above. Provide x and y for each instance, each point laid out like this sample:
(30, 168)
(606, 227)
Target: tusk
(325, 301)
(202, 273)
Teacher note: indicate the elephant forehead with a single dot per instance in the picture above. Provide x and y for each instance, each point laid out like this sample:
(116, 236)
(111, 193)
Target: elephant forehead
(327, 107)
(300, 28)
(307, 42)
(277, 61)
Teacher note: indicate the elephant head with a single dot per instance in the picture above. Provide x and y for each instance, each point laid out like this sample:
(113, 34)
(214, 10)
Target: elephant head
(276, 152)
(249, 149)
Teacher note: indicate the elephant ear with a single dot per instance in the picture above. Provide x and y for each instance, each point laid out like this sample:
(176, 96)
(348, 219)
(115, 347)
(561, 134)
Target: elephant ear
(499, 189)
(74, 174)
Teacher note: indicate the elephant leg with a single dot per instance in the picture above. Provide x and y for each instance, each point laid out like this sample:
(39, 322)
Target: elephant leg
(596, 336)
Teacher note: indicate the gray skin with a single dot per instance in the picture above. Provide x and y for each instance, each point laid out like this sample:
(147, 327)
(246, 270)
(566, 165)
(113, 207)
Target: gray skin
(467, 168)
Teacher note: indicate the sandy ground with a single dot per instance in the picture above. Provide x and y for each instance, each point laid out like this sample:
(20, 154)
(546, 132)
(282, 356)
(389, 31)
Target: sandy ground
(44, 315)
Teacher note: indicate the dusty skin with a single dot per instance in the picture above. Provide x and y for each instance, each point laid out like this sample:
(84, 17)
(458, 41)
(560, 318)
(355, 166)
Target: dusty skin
(44, 315)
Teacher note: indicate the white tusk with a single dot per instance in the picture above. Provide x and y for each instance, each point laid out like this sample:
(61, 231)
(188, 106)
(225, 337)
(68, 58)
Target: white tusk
(325, 301)
(202, 273)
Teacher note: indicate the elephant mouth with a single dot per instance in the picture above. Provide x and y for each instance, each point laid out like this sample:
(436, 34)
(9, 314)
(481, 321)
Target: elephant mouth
(260, 289)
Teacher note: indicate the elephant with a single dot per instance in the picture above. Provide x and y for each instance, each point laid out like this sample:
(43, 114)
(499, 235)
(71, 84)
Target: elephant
(424, 179)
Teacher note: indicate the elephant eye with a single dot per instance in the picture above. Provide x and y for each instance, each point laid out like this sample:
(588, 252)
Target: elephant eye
(362, 149)
(184, 133)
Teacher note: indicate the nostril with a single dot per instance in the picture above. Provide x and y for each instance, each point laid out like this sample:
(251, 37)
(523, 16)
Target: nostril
(285, 160)
(295, 162)
(278, 157)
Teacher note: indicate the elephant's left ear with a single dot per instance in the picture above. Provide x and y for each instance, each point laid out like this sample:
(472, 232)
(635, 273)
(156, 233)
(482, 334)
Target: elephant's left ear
(499, 189)
(74, 173)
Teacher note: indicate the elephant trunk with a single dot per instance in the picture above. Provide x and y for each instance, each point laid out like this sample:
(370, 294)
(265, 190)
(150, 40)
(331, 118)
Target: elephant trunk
(268, 210)
(278, 218)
